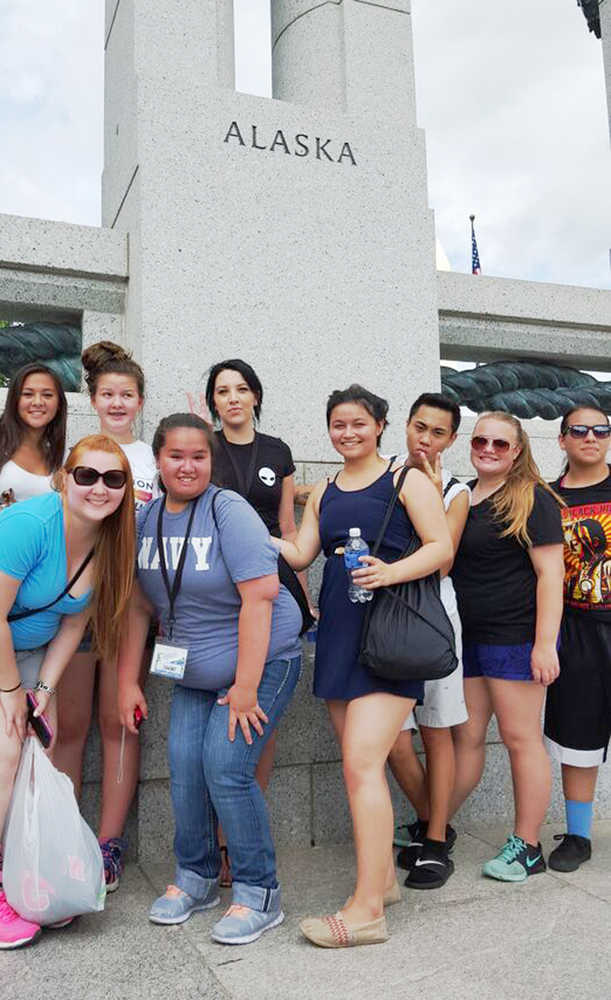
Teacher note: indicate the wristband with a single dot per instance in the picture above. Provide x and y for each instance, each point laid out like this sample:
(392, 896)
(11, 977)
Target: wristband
(10, 690)
(41, 686)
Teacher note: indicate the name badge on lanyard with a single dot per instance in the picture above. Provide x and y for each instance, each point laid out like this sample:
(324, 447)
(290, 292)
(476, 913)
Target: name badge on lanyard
(170, 659)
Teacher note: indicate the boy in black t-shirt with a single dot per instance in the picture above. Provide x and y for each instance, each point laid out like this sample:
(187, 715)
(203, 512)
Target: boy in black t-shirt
(578, 710)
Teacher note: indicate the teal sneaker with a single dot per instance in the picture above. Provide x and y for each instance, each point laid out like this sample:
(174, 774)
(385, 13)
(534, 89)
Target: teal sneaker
(404, 833)
(516, 862)
(176, 906)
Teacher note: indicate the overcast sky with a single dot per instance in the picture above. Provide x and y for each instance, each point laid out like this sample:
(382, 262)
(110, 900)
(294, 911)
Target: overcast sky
(511, 96)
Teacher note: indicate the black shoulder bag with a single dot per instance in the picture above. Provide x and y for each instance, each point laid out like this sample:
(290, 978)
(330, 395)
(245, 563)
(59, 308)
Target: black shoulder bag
(407, 634)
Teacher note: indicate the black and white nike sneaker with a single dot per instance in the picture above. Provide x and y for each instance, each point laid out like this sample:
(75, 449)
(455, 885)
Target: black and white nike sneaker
(432, 868)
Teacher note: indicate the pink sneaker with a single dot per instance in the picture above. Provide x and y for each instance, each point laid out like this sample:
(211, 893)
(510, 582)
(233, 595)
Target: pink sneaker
(15, 932)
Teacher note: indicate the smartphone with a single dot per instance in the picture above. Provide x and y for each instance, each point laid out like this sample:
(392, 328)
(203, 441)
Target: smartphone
(138, 717)
(39, 724)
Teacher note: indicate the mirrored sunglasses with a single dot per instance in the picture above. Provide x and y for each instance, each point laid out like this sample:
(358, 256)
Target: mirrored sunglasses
(478, 443)
(581, 430)
(84, 475)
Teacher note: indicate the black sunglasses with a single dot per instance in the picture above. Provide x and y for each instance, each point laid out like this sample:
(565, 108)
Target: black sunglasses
(581, 430)
(84, 475)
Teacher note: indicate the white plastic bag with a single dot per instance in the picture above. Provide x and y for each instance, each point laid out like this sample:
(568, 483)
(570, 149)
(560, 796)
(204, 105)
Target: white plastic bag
(53, 866)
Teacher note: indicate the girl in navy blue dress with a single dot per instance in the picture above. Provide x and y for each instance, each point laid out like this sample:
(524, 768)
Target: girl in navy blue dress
(367, 712)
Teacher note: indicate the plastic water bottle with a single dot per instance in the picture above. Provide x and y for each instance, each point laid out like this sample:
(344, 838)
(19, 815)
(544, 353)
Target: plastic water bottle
(354, 548)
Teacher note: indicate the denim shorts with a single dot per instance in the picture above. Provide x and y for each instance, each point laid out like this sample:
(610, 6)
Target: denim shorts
(29, 662)
(507, 663)
(86, 643)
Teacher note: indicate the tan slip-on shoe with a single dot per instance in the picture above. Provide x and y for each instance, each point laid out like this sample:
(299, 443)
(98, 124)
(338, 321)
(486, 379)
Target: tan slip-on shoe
(334, 932)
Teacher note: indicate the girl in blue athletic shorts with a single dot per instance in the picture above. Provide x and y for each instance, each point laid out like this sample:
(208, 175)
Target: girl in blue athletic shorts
(508, 578)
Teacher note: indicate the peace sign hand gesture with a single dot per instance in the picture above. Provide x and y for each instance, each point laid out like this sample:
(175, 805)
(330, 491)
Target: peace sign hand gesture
(434, 472)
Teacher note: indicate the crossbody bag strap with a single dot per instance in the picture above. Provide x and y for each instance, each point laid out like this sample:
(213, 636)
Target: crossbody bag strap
(216, 523)
(45, 607)
(389, 509)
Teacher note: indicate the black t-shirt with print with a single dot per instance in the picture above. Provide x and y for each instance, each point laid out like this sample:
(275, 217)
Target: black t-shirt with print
(494, 578)
(586, 522)
(256, 471)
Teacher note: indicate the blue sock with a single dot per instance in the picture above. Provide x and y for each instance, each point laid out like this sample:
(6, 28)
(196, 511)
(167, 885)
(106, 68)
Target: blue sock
(578, 817)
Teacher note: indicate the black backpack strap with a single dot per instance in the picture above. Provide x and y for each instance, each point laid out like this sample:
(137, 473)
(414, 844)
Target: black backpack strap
(389, 510)
(452, 482)
(214, 517)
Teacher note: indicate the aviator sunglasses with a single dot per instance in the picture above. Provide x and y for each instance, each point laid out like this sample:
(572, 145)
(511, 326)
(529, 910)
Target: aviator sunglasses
(479, 442)
(84, 475)
(581, 430)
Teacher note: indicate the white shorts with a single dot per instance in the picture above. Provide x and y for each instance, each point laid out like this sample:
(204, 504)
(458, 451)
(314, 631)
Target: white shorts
(444, 700)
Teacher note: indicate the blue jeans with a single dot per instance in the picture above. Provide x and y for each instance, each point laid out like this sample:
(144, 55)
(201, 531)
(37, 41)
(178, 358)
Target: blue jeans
(213, 780)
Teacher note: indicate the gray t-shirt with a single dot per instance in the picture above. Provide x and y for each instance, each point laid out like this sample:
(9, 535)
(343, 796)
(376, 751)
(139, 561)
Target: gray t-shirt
(209, 603)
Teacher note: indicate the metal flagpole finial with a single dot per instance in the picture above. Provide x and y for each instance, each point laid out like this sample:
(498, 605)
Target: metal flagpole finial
(472, 217)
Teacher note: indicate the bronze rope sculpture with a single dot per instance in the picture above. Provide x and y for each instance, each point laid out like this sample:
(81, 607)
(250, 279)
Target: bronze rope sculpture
(57, 345)
(525, 388)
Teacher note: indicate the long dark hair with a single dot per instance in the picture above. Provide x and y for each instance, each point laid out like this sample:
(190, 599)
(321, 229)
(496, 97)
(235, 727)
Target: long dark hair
(179, 420)
(248, 374)
(12, 427)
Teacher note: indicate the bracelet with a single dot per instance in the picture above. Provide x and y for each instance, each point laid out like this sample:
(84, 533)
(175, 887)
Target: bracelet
(41, 686)
(10, 690)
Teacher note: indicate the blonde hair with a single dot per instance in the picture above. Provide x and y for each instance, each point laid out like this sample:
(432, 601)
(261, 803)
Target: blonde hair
(514, 501)
(114, 554)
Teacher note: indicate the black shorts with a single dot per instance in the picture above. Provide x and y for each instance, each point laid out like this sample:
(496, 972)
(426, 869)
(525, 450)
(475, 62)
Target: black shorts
(578, 706)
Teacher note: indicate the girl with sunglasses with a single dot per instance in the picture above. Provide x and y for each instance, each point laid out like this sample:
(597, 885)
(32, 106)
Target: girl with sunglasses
(65, 557)
(578, 709)
(508, 579)
(32, 433)
(116, 389)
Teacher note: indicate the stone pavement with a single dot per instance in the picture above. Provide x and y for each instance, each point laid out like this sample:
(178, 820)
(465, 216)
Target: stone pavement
(548, 939)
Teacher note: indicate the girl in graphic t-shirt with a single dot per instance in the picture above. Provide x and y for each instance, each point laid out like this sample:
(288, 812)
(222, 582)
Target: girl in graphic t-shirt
(508, 578)
(116, 387)
(81, 535)
(32, 433)
(578, 708)
(261, 469)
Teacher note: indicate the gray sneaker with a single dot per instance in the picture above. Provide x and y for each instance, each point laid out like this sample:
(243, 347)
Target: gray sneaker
(176, 906)
(241, 925)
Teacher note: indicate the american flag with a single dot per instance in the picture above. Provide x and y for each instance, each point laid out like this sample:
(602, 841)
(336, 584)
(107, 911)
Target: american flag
(475, 264)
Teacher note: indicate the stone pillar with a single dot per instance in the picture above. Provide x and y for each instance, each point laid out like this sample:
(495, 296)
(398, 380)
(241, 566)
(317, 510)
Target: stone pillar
(293, 233)
(605, 30)
(354, 55)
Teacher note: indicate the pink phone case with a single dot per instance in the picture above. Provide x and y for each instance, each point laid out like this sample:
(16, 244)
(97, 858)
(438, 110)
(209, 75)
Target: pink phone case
(40, 724)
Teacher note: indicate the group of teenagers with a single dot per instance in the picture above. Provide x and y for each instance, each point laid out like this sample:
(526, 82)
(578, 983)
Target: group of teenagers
(184, 559)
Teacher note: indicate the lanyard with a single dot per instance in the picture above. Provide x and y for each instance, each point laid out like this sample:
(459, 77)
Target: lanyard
(243, 484)
(172, 591)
